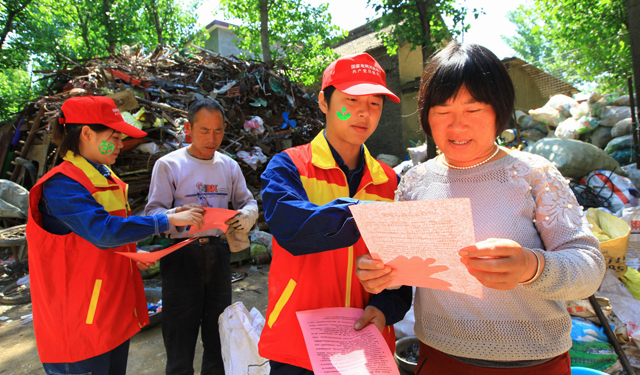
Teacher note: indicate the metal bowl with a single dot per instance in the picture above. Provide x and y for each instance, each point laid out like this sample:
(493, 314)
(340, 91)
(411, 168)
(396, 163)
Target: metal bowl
(402, 345)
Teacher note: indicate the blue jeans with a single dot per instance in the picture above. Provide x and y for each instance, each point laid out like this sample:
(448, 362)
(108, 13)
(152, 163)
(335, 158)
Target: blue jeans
(113, 362)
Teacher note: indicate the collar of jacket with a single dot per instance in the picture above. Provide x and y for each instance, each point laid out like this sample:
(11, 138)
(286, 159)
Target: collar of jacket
(94, 175)
(321, 157)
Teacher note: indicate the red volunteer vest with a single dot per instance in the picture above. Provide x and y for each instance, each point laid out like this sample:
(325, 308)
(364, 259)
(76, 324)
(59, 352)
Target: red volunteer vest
(86, 301)
(327, 279)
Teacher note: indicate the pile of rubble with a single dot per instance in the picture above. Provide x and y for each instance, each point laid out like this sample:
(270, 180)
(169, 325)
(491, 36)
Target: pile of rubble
(266, 112)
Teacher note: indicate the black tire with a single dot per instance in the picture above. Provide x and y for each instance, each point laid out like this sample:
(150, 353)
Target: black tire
(13, 236)
(14, 294)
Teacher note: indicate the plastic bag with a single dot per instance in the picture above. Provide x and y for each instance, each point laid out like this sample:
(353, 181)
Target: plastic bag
(631, 279)
(613, 234)
(601, 136)
(546, 115)
(252, 158)
(580, 110)
(610, 115)
(622, 127)
(624, 156)
(239, 336)
(404, 327)
(568, 128)
(573, 158)
(418, 154)
(148, 148)
(390, 160)
(263, 238)
(624, 305)
(619, 143)
(590, 347)
(572, 128)
(582, 308)
(254, 126)
(527, 122)
(621, 101)
(14, 200)
(563, 104)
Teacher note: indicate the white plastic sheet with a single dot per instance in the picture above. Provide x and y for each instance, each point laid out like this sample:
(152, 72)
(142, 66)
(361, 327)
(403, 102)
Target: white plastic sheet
(239, 336)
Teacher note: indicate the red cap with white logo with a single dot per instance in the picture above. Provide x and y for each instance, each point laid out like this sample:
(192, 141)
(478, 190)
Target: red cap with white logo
(87, 110)
(358, 74)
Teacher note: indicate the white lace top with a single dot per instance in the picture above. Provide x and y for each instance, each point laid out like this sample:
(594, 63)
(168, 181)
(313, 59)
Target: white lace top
(524, 198)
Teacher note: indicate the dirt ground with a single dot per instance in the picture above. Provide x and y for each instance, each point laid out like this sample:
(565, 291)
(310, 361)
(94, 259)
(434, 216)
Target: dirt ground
(18, 353)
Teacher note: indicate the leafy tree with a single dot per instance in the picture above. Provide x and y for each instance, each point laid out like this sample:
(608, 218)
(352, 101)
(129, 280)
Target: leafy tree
(15, 88)
(35, 33)
(291, 33)
(418, 22)
(421, 24)
(578, 40)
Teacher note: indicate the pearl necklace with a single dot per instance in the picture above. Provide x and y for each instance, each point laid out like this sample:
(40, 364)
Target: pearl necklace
(471, 166)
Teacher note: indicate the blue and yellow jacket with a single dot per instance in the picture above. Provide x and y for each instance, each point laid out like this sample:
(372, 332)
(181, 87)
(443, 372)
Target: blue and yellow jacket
(316, 243)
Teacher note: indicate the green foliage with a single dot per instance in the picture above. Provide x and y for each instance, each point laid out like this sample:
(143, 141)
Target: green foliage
(300, 35)
(580, 41)
(418, 22)
(34, 33)
(15, 87)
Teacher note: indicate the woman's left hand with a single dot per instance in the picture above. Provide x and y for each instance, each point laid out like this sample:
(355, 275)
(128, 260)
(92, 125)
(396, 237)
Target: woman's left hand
(499, 263)
(144, 266)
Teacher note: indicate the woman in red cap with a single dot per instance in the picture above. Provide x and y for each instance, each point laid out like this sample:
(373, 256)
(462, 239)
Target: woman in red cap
(87, 300)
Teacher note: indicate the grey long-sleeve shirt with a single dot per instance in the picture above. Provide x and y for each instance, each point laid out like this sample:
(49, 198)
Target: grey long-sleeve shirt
(524, 198)
(179, 178)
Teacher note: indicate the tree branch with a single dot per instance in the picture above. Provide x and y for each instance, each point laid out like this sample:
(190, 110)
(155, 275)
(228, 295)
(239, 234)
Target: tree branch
(9, 24)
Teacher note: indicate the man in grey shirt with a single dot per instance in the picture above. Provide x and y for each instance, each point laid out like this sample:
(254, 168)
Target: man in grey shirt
(196, 280)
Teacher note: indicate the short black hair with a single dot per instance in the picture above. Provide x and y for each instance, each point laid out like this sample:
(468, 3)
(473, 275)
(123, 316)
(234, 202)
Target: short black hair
(208, 103)
(478, 69)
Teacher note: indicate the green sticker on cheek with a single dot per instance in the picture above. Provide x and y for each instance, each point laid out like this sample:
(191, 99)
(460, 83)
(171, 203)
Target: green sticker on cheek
(106, 148)
(342, 115)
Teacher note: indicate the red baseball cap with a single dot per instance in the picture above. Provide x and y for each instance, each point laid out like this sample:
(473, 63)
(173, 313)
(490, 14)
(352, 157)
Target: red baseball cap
(97, 110)
(357, 74)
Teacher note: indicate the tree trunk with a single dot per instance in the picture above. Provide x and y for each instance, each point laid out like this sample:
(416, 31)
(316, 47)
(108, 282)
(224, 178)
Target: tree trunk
(11, 15)
(264, 32)
(425, 24)
(633, 13)
(84, 28)
(427, 50)
(152, 8)
(111, 39)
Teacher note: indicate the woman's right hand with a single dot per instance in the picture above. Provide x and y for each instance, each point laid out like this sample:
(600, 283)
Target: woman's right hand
(191, 216)
(373, 274)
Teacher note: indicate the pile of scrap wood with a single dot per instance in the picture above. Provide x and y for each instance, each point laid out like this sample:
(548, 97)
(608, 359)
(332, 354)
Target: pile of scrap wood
(265, 112)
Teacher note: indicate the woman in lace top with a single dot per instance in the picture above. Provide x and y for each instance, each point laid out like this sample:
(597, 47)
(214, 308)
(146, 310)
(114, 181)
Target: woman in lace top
(534, 246)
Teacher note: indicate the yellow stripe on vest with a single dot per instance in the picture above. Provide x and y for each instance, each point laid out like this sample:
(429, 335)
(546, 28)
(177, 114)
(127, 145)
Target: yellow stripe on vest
(284, 298)
(347, 295)
(94, 301)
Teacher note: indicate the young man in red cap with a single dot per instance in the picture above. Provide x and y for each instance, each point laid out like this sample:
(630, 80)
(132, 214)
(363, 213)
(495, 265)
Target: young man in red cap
(87, 300)
(306, 194)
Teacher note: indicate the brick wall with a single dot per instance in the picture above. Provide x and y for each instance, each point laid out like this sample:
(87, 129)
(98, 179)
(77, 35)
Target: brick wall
(387, 139)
